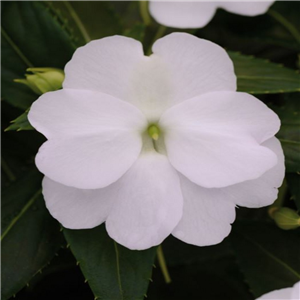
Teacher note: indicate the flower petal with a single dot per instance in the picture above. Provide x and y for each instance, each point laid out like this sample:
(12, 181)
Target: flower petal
(263, 190)
(214, 140)
(247, 8)
(182, 14)
(104, 65)
(282, 294)
(93, 138)
(195, 66)
(206, 215)
(148, 204)
(76, 208)
(71, 113)
(89, 162)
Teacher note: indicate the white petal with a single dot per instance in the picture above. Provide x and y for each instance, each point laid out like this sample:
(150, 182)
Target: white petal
(282, 294)
(206, 215)
(71, 113)
(75, 208)
(195, 66)
(296, 291)
(246, 8)
(214, 140)
(148, 204)
(89, 162)
(182, 14)
(104, 65)
(93, 138)
(263, 190)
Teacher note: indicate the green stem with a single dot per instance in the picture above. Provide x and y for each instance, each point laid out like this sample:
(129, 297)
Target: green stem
(286, 24)
(78, 22)
(22, 212)
(160, 32)
(16, 48)
(144, 12)
(162, 264)
(7, 170)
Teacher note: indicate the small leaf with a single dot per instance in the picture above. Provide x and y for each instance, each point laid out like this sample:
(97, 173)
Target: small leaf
(112, 271)
(20, 123)
(258, 76)
(30, 236)
(268, 256)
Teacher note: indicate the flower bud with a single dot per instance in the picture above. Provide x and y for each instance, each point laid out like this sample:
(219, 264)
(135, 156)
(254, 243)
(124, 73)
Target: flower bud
(43, 80)
(286, 218)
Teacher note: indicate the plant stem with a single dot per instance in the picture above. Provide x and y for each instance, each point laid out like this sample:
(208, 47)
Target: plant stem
(160, 32)
(162, 264)
(7, 170)
(144, 12)
(78, 22)
(22, 212)
(286, 24)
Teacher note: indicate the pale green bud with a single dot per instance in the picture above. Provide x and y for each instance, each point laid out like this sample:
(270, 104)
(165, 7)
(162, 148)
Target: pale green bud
(286, 218)
(43, 80)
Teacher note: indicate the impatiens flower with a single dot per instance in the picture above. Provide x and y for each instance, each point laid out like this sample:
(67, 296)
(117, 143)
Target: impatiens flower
(292, 293)
(196, 14)
(156, 145)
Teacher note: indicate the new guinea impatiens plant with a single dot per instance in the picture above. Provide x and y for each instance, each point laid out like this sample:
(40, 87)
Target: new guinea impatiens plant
(155, 145)
(197, 14)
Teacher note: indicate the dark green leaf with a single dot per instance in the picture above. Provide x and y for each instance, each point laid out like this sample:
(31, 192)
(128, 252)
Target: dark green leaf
(293, 181)
(289, 133)
(112, 271)
(35, 38)
(268, 256)
(258, 76)
(30, 236)
(136, 32)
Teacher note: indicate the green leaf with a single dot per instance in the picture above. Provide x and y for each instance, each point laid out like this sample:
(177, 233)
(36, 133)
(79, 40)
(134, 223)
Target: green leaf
(20, 123)
(137, 32)
(289, 133)
(293, 182)
(30, 236)
(258, 76)
(268, 256)
(112, 271)
(35, 38)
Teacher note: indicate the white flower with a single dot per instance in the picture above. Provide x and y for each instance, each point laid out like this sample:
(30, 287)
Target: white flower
(292, 293)
(155, 145)
(196, 14)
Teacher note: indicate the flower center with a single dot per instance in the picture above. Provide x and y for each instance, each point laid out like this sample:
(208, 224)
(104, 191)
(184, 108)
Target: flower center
(154, 132)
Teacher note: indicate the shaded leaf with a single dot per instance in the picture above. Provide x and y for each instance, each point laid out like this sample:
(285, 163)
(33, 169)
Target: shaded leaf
(112, 271)
(268, 256)
(20, 123)
(35, 38)
(30, 236)
(136, 32)
(258, 76)
(293, 181)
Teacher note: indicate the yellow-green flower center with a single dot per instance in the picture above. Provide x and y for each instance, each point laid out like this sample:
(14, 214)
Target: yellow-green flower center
(154, 132)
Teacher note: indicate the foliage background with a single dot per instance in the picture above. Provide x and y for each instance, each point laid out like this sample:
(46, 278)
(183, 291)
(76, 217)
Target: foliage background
(40, 260)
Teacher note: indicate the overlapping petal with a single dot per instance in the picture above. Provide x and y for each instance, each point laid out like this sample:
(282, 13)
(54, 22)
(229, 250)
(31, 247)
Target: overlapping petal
(197, 14)
(93, 138)
(206, 218)
(148, 204)
(290, 293)
(77, 208)
(214, 140)
(208, 213)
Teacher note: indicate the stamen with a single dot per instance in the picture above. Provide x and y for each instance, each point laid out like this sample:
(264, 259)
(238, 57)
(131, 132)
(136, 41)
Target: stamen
(154, 132)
